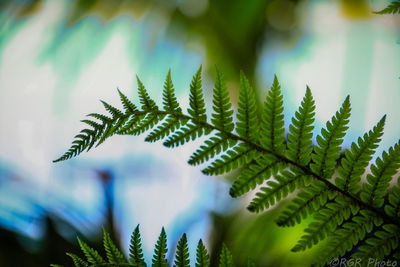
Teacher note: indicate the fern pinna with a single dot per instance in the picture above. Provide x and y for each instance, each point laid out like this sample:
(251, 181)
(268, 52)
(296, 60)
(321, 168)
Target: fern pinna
(357, 216)
(115, 258)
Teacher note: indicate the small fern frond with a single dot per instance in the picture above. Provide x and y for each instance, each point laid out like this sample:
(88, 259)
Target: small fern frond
(78, 262)
(306, 202)
(325, 222)
(210, 148)
(182, 253)
(393, 207)
(114, 255)
(135, 249)
(148, 104)
(392, 8)
(329, 142)
(382, 172)
(285, 183)
(357, 159)
(381, 244)
(347, 236)
(225, 258)
(300, 131)
(160, 251)
(222, 116)
(197, 107)
(255, 174)
(236, 157)
(129, 107)
(91, 254)
(185, 134)
(247, 115)
(272, 120)
(169, 99)
(202, 257)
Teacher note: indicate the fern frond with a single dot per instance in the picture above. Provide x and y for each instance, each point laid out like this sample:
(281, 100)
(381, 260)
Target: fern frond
(129, 107)
(225, 258)
(160, 251)
(78, 262)
(272, 120)
(169, 99)
(256, 173)
(393, 207)
(148, 104)
(185, 134)
(114, 255)
(357, 159)
(210, 148)
(222, 116)
(392, 8)
(329, 142)
(306, 202)
(238, 156)
(300, 131)
(285, 183)
(91, 254)
(382, 172)
(381, 244)
(145, 124)
(325, 222)
(169, 125)
(247, 115)
(202, 257)
(135, 249)
(182, 253)
(197, 107)
(347, 236)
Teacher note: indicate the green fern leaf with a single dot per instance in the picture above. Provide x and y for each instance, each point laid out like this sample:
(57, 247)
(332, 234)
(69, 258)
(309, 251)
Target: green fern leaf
(247, 115)
(325, 222)
(78, 262)
(234, 158)
(185, 134)
(197, 107)
(114, 255)
(210, 148)
(148, 104)
(357, 159)
(329, 142)
(170, 125)
(393, 207)
(272, 125)
(222, 116)
(306, 202)
(145, 124)
(300, 131)
(135, 249)
(91, 254)
(285, 183)
(129, 107)
(348, 235)
(380, 245)
(256, 173)
(182, 253)
(382, 172)
(392, 8)
(169, 99)
(225, 258)
(160, 251)
(202, 257)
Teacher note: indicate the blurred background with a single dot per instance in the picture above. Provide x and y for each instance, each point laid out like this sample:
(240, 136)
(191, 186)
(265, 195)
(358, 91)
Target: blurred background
(58, 58)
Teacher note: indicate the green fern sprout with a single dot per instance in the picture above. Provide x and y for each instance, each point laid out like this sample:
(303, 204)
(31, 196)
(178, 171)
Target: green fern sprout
(115, 257)
(355, 217)
(392, 8)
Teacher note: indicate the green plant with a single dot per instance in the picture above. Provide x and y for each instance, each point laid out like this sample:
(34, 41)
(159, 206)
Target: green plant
(392, 8)
(361, 218)
(115, 258)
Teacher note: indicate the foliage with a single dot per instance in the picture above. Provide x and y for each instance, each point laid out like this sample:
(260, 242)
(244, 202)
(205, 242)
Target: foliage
(392, 8)
(115, 258)
(358, 217)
